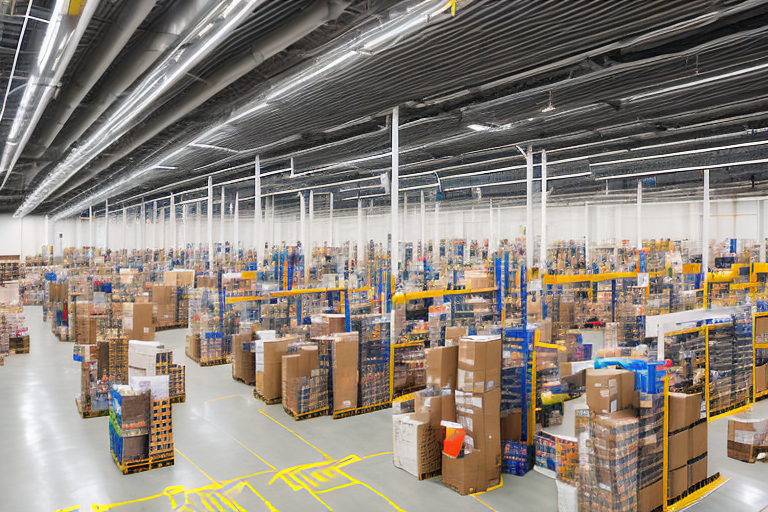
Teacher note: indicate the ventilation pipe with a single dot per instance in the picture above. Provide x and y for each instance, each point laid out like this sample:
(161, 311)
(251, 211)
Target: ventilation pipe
(119, 33)
(310, 19)
(160, 36)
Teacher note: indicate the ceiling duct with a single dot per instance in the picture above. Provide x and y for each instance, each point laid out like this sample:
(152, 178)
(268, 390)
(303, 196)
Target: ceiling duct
(119, 33)
(302, 25)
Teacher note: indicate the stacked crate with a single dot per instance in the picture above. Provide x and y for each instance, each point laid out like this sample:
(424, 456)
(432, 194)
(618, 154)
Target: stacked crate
(161, 429)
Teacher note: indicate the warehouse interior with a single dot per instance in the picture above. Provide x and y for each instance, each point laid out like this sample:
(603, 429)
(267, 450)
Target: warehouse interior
(306, 254)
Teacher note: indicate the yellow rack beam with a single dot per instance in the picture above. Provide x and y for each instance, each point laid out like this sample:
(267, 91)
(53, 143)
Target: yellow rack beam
(402, 298)
(304, 291)
(587, 278)
(249, 298)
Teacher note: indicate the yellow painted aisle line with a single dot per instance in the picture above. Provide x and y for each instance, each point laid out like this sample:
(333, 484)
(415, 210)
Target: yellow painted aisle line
(484, 503)
(221, 398)
(256, 454)
(198, 467)
(321, 452)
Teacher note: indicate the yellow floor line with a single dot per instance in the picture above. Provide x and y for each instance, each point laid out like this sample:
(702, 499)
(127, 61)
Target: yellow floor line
(376, 455)
(376, 492)
(220, 398)
(497, 486)
(484, 503)
(343, 486)
(256, 454)
(198, 467)
(296, 434)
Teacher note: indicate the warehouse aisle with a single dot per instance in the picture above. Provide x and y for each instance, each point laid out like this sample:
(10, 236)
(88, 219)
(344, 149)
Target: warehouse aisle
(233, 453)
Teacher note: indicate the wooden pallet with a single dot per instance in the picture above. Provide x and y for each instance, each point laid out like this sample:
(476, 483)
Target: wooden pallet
(168, 327)
(178, 399)
(361, 410)
(19, 351)
(238, 379)
(431, 474)
(271, 401)
(144, 465)
(210, 362)
(85, 414)
(306, 415)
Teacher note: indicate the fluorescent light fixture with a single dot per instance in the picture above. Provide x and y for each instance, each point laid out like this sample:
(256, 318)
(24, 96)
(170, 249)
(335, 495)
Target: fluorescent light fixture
(480, 128)
(177, 63)
(211, 146)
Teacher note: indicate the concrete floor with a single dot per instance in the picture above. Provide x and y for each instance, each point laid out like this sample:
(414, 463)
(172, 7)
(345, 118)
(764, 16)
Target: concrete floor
(234, 453)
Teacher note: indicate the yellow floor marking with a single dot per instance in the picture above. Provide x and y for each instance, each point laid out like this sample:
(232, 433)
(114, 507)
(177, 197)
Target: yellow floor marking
(376, 455)
(696, 496)
(240, 486)
(237, 479)
(342, 486)
(198, 467)
(497, 486)
(70, 509)
(297, 435)
(484, 503)
(256, 454)
(221, 398)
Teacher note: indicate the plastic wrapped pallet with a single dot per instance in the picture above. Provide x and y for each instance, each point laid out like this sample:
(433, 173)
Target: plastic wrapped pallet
(416, 444)
(345, 357)
(747, 436)
(567, 497)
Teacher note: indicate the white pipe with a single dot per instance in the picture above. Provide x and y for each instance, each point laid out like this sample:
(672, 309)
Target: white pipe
(543, 247)
(586, 234)
(529, 208)
(211, 252)
(106, 224)
(236, 244)
(639, 215)
(330, 216)
(436, 243)
(222, 238)
(258, 224)
(395, 193)
(303, 235)
(705, 226)
(423, 241)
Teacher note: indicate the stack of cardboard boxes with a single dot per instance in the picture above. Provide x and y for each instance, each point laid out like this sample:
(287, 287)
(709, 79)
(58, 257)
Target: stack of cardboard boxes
(138, 321)
(747, 437)
(609, 456)
(478, 405)
(268, 366)
(687, 452)
(345, 358)
(243, 358)
(304, 384)
(418, 436)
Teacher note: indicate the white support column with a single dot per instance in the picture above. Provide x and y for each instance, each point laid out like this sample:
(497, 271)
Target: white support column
(404, 221)
(303, 235)
(184, 213)
(125, 228)
(436, 242)
(395, 192)
(423, 227)
(90, 227)
(163, 239)
(199, 234)
(705, 226)
(46, 239)
(586, 234)
(106, 224)
(491, 227)
(211, 252)
(272, 240)
(330, 217)
(360, 243)
(639, 214)
(311, 225)
(543, 247)
(156, 226)
(761, 229)
(175, 239)
(529, 208)
(222, 238)
(143, 225)
(258, 223)
(236, 242)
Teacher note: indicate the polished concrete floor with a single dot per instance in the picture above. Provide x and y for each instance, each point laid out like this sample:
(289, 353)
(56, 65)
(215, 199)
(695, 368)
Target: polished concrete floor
(234, 453)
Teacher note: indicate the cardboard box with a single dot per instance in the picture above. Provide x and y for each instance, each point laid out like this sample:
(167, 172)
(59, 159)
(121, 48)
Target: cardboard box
(479, 365)
(345, 359)
(179, 277)
(138, 321)
(684, 410)
(761, 378)
(651, 497)
(747, 437)
(417, 445)
(442, 365)
(677, 483)
(697, 471)
(478, 281)
(336, 323)
(512, 426)
(698, 440)
(206, 282)
(269, 367)
(454, 334)
(609, 390)
(436, 408)
(761, 326)
(244, 361)
(475, 472)
(679, 446)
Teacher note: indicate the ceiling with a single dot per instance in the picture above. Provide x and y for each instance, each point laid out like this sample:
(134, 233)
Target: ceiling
(612, 91)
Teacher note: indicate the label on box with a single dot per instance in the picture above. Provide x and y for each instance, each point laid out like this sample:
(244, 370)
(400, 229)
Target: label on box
(146, 330)
(614, 405)
(744, 437)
